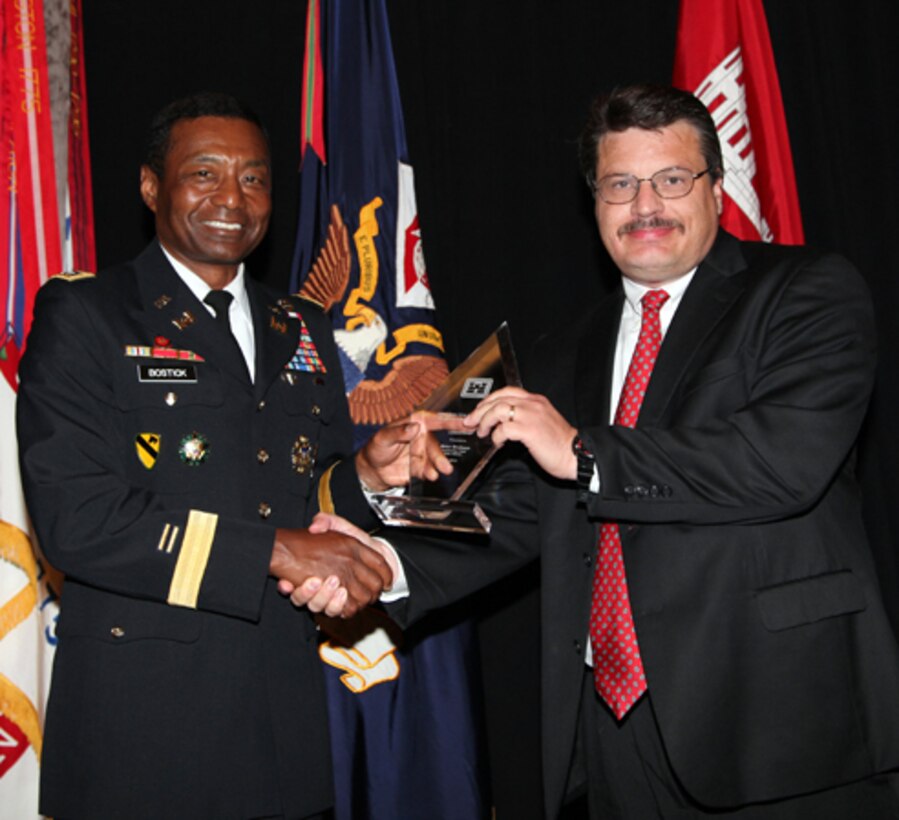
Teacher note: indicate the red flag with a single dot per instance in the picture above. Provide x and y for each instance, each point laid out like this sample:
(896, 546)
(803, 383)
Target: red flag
(80, 253)
(35, 243)
(35, 253)
(724, 57)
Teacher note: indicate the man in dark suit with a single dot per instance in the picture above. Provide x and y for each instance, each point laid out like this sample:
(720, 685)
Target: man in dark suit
(714, 642)
(179, 426)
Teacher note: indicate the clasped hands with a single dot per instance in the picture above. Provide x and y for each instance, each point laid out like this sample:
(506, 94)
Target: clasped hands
(355, 567)
(335, 567)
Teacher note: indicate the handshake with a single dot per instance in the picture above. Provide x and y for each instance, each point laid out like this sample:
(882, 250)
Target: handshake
(336, 568)
(332, 567)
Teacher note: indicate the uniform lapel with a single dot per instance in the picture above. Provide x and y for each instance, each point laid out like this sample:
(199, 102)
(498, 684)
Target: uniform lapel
(277, 336)
(171, 312)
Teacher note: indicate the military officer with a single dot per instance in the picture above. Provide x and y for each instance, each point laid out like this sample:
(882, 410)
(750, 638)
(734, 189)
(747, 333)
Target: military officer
(179, 427)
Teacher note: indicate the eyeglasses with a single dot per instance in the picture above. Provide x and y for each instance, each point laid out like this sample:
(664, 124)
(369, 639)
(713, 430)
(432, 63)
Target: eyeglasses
(669, 183)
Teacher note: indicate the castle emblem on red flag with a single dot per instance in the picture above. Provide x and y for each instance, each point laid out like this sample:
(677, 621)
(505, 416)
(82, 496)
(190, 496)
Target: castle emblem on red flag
(724, 94)
(724, 57)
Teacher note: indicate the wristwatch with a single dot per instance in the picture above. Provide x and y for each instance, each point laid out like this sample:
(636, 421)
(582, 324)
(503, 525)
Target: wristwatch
(586, 466)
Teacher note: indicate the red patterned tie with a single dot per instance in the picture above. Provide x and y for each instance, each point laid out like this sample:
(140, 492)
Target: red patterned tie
(617, 668)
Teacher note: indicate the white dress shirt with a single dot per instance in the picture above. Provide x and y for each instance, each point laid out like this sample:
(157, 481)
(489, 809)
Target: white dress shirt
(239, 313)
(628, 334)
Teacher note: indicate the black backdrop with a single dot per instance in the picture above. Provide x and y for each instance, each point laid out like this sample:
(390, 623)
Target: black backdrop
(494, 93)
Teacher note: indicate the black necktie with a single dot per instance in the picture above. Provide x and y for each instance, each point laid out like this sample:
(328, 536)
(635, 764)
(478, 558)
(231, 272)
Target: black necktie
(220, 302)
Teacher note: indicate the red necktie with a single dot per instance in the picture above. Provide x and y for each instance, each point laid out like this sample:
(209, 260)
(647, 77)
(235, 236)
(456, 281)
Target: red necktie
(617, 668)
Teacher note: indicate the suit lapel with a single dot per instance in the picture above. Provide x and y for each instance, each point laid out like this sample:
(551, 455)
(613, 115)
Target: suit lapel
(715, 287)
(595, 360)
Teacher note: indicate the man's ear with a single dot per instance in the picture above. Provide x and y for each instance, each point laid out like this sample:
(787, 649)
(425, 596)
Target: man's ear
(149, 185)
(718, 192)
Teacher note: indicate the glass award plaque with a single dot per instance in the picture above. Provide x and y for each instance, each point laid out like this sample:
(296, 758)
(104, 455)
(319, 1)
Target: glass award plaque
(439, 504)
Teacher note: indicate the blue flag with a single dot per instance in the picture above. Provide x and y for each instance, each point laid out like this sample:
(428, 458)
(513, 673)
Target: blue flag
(406, 719)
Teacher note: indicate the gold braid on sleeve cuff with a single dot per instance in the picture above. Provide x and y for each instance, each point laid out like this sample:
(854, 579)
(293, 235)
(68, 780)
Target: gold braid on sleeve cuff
(192, 559)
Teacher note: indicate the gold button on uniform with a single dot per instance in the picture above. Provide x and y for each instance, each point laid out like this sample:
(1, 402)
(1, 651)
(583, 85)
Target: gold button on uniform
(265, 510)
(117, 632)
(262, 455)
(316, 410)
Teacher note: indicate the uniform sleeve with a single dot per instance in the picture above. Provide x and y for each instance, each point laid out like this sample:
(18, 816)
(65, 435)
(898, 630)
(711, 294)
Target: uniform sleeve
(442, 568)
(92, 524)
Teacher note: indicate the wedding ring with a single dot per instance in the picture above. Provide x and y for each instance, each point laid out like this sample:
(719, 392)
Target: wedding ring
(511, 413)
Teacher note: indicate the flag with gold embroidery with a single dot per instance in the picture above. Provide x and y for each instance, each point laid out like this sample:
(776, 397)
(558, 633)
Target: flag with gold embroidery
(406, 722)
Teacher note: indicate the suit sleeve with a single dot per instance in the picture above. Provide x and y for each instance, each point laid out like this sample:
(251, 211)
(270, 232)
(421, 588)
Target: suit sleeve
(92, 523)
(760, 434)
(442, 569)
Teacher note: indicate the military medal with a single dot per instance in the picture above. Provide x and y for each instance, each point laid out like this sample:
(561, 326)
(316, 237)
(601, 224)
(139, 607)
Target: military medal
(302, 455)
(194, 449)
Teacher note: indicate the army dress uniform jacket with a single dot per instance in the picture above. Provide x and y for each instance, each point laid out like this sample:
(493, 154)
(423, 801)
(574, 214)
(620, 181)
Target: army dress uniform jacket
(184, 685)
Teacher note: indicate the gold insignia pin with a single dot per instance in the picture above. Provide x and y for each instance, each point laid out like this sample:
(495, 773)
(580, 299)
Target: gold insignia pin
(186, 319)
(302, 455)
(162, 301)
(281, 327)
(147, 446)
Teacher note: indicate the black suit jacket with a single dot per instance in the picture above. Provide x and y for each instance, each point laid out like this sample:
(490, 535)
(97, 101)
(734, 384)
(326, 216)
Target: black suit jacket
(770, 661)
(184, 685)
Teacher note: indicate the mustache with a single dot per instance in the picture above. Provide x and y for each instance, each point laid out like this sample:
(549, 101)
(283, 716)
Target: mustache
(648, 224)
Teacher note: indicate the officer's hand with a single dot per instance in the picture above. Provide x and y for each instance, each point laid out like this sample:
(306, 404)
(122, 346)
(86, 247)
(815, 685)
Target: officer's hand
(384, 461)
(355, 574)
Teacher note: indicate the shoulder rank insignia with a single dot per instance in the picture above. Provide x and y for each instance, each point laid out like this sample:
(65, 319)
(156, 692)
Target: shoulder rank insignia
(305, 357)
(74, 275)
(147, 446)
